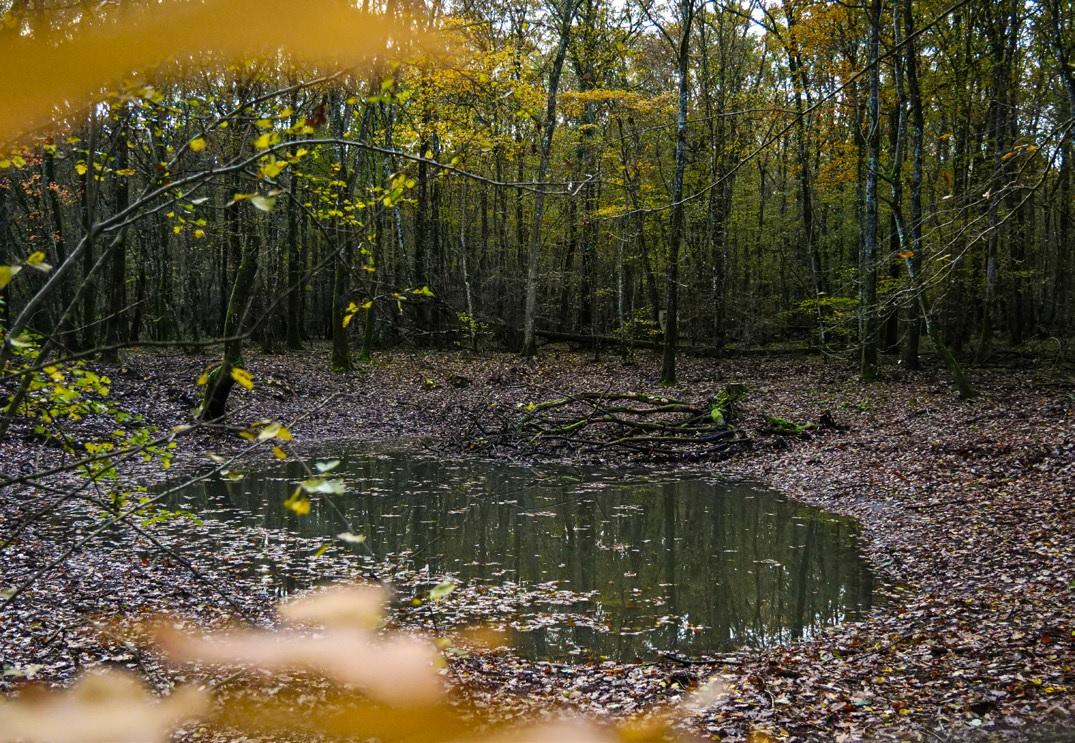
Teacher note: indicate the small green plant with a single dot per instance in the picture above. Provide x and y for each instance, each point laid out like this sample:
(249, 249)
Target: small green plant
(836, 316)
(639, 327)
(784, 427)
(474, 329)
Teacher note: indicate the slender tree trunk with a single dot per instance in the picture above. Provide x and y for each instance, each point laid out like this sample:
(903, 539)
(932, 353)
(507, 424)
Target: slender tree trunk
(221, 380)
(89, 209)
(116, 325)
(799, 81)
(675, 237)
(1059, 22)
(868, 295)
(566, 17)
(909, 354)
(468, 293)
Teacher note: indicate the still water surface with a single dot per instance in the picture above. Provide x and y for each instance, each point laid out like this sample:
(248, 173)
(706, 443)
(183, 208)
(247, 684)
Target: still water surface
(616, 563)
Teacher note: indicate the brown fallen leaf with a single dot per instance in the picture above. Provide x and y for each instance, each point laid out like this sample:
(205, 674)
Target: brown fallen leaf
(360, 605)
(102, 707)
(399, 670)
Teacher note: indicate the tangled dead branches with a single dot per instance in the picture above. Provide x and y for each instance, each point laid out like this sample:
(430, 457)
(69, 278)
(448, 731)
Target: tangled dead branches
(643, 425)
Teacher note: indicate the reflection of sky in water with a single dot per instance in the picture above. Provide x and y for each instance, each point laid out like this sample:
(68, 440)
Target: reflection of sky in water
(614, 563)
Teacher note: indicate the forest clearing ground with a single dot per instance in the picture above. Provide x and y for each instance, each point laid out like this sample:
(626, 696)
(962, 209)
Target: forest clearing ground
(968, 509)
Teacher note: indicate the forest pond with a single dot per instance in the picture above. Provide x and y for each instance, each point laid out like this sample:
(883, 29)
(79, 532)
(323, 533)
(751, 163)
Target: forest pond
(578, 563)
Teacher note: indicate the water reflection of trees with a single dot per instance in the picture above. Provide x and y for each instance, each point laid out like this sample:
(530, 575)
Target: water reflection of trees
(676, 565)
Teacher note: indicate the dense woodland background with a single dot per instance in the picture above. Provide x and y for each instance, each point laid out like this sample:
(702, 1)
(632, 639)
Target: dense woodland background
(854, 177)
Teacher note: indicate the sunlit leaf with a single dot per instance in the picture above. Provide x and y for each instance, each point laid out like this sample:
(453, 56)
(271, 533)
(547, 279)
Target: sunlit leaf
(242, 378)
(320, 485)
(441, 590)
(7, 273)
(21, 341)
(266, 140)
(263, 203)
(298, 503)
(272, 168)
(274, 430)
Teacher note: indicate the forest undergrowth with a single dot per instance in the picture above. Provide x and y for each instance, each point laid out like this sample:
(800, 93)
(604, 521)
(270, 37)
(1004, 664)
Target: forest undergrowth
(967, 508)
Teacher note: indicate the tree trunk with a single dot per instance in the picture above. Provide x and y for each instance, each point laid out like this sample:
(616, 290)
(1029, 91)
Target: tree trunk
(868, 294)
(566, 16)
(675, 237)
(221, 380)
(909, 354)
(116, 327)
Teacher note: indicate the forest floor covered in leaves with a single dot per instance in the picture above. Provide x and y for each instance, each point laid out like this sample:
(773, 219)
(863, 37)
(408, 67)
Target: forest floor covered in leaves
(968, 511)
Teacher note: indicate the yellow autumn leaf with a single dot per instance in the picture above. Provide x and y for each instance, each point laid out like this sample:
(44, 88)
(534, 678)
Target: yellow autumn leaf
(7, 273)
(268, 431)
(197, 144)
(242, 378)
(274, 431)
(279, 453)
(81, 168)
(36, 260)
(272, 168)
(298, 503)
(266, 140)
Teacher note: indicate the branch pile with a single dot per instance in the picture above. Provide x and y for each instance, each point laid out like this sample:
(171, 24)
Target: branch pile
(635, 423)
